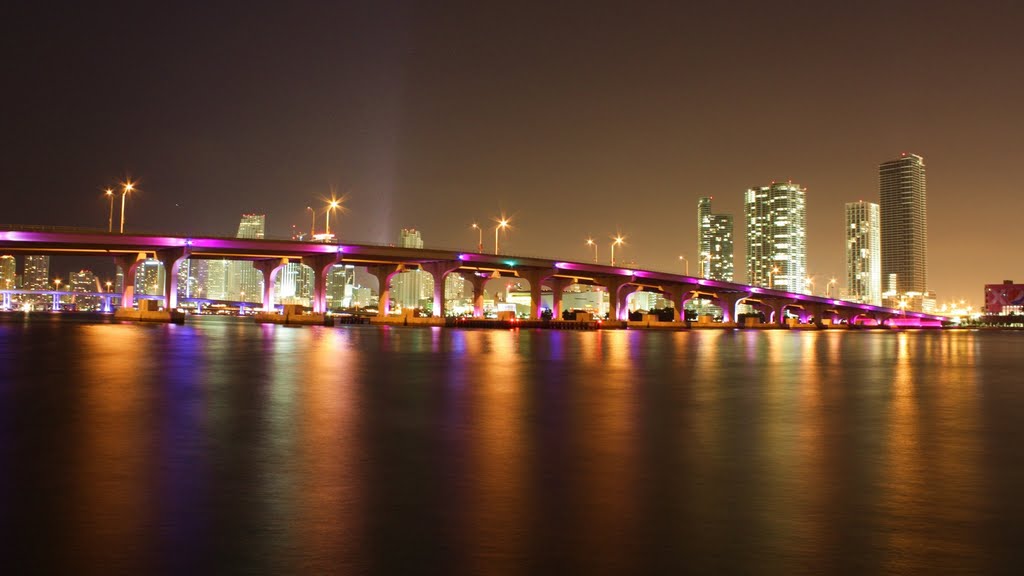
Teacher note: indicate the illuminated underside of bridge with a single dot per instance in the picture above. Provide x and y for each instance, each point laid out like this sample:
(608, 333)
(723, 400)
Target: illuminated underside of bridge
(270, 256)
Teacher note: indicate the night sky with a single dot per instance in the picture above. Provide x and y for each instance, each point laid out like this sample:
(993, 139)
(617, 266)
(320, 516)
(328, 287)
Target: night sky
(575, 120)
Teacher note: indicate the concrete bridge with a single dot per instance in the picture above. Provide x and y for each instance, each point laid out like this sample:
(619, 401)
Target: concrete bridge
(384, 262)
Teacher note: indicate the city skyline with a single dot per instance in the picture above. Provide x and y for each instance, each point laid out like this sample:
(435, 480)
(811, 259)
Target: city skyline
(440, 121)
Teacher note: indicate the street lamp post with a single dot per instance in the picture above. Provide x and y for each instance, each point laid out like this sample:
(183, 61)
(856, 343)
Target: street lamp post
(590, 242)
(110, 220)
(502, 224)
(687, 263)
(771, 277)
(828, 288)
(331, 207)
(312, 224)
(480, 238)
(128, 187)
(618, 240)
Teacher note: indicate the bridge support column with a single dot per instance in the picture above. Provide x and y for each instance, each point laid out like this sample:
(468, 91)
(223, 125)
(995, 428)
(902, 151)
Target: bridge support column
(171, 259)
(536, 278)
(269, 268)
(440, 270)
(320, 264)
(727, 302)
(128, 263)
(817, 311)
(679, 295)
(558, 286)
(614, 285)
(384, 274)
(478, 282)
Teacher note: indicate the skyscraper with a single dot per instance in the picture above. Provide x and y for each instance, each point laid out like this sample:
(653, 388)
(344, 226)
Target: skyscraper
(777, 236)
(84, 281)
(863, 253)
(714, 242)
(37, 273)
(244, 281)
(8, 272)
(901, 186)
(409, 288)
(340, 281)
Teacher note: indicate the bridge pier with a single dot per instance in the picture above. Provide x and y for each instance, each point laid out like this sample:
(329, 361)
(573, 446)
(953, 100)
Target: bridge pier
(679, 295)
(320, 264)
(269, 268)
(384, 274)
(478, 282)
(171, 259)
(128, 264)
(537, 277)
(558, 286)
(440, 270)
(727, 302)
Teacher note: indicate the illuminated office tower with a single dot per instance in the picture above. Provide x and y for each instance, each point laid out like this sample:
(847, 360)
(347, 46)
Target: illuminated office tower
(863, 253)
(340, 281)
(244, 281)
(777, 237)
(8, 272)
(714, 243)
(37, 273)
(216, 285)
(904, 225)
(149, 278)
(85, 281)
(408, 289)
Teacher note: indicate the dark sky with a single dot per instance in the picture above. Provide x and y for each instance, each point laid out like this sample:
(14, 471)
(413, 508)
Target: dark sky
(576, 120)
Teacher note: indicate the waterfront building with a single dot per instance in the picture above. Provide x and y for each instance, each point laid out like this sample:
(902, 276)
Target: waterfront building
(409, 289)
(714, 243)
(216, 285)
(863, 253)
(37, 273)
(904, 226)
(245, 283)
(149, 277)
(85, 281)
(1005, 298)
(340, 283)
(776, 220)
(8, 272)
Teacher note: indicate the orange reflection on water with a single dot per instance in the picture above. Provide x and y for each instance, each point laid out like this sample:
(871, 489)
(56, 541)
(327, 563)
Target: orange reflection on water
(498, 454)
(114, 436)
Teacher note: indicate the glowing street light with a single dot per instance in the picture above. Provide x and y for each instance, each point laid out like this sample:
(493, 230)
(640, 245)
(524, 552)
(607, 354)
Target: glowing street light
(591, 243)
(686, 270)
(110, 220)
(109, 283)
(828, 288)
(332, 205)
(312, 224)
(619, 239)
(502, 224)
(128, 187)
(771, 276)
(480, 238)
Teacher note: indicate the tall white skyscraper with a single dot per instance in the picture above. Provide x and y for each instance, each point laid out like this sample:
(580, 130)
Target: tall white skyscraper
(408, 289)
(244, 281)
(777, 237)
(714, 243)
(863, 253)
(904, 224)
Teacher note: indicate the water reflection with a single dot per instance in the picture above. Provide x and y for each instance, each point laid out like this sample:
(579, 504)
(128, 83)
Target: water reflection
(223, 446)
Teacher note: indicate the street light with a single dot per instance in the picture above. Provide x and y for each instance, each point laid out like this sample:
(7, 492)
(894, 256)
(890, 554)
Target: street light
(771, 277)
(502, 224)
(312, 224)
(480, 238)
(590, 242)
(108, 285)
(828, 288)
(128, 187)
(110, 220)
(332, 205)
(616, 241)
(809, 284)
(687, 262)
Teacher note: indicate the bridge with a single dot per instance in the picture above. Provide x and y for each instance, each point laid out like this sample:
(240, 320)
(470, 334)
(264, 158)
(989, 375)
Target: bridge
(384, 262)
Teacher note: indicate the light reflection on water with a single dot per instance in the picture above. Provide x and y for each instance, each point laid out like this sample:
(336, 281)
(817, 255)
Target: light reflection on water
(225, 446)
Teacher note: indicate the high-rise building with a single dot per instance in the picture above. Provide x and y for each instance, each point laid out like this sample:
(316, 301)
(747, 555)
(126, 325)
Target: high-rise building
(340, 282)
(777, 237)
(714, 242)
(904, 224)
(244, 281)
(85, 281)
(409, 289)
(216, 285)
(8, 272)
(863, 253)
(149, 278)
(37, 273)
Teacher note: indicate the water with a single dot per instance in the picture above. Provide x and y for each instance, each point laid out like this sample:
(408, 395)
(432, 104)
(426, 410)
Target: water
(226, 447)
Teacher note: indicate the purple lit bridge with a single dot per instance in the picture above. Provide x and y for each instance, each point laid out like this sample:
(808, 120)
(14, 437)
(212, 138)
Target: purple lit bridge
(384, 262)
